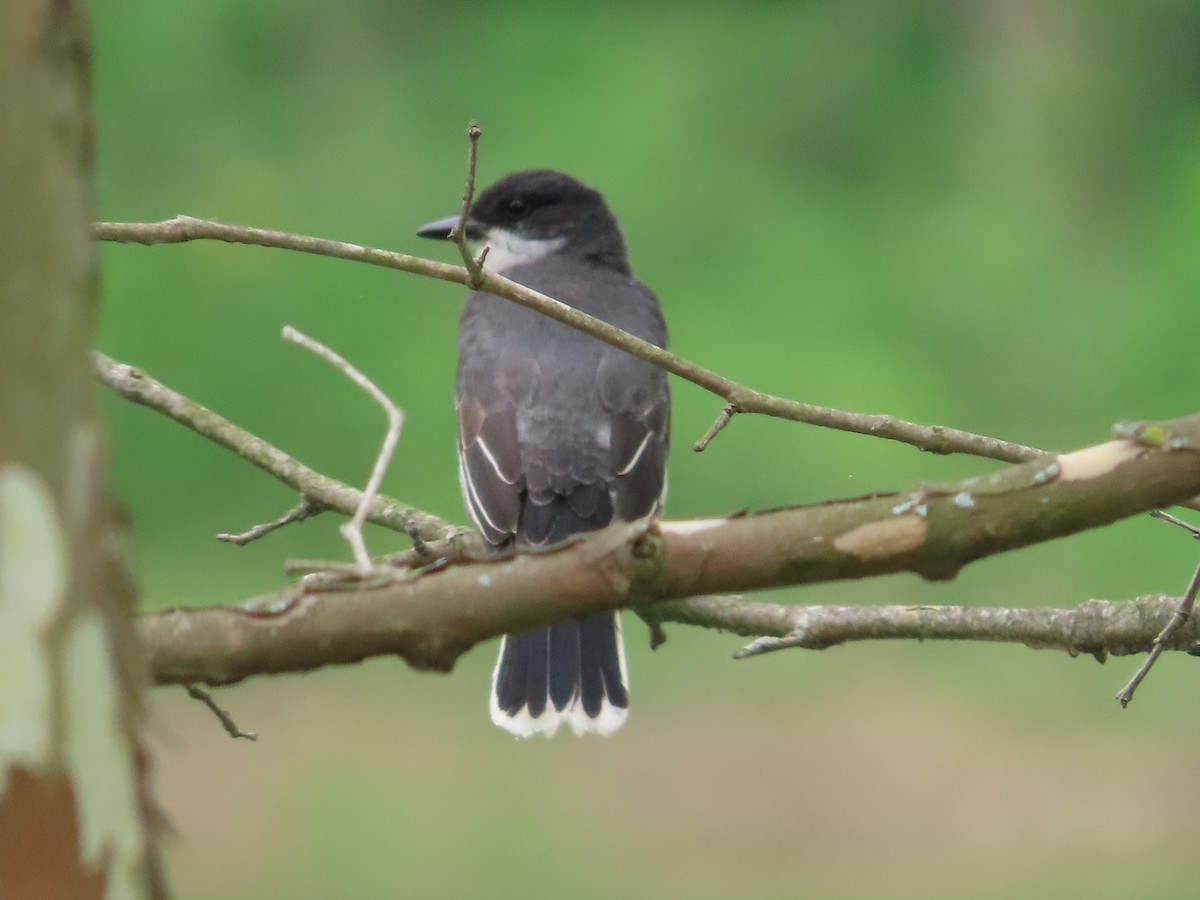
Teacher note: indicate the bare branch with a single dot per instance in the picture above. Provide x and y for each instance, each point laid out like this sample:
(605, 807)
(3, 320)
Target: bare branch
(932, 438)
(905, 539)
(134, 384)
(305, 509)
(431, 617)
(1097, 627)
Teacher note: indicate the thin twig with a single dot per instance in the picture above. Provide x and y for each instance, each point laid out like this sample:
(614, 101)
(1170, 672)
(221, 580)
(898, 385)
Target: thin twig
(1175, 520)
(198, 692)
(932, 438)
(1178, 618)
(458, 234)
(722, 420)
(305, 509)
(352, 531)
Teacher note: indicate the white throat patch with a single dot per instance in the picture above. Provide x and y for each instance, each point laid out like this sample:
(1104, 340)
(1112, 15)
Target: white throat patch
(507, 249)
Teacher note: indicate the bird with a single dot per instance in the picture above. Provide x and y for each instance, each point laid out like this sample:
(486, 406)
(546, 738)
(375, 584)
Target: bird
(559, 433)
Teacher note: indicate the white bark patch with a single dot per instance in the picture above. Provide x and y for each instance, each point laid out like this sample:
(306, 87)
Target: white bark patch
(33, 579)
(1092, 462)
(885, 538)
(691, 526)
(99, 759)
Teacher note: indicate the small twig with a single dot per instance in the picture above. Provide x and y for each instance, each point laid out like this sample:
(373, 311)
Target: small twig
(1175, 520)
(420, 548)
(1178, 619)
(658, 634)
(197, 692)
(459, 233)
(769, 644)
(305, 509)
(305, 566)
(352, 531)
(722, 420)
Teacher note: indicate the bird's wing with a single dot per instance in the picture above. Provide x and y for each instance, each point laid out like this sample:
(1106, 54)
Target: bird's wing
(489, 459)
(633, 394)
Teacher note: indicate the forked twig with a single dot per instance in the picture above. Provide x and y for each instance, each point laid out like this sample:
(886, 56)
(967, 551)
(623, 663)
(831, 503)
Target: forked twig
(352, 531)
(1180, 616)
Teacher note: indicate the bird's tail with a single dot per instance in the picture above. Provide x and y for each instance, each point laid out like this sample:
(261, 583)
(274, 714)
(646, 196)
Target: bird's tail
(572, 672)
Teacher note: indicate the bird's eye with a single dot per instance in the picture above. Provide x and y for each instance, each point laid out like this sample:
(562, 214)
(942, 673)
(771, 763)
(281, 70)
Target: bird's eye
(516, 209)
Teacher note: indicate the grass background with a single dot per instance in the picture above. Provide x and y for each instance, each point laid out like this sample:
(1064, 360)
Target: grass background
(980, 214)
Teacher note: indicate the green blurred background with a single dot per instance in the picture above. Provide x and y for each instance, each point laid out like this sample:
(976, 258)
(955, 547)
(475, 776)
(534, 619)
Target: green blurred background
(980, 214)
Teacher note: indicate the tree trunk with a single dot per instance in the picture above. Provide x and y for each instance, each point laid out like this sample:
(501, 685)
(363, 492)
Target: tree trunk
(75, 815)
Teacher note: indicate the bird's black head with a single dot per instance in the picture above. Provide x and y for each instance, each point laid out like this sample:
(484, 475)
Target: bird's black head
(530, 214)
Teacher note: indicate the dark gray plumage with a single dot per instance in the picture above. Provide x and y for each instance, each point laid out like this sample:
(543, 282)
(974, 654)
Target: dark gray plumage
(559, 433)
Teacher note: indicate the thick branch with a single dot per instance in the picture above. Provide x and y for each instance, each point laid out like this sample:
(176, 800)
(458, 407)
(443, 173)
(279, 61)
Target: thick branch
(431, 618)
(739, 398)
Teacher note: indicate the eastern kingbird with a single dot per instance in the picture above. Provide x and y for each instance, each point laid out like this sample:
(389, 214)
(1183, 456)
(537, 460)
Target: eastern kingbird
(558, 432)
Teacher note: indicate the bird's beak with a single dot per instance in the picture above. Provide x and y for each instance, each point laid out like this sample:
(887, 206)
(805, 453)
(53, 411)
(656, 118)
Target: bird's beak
(440, 230)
